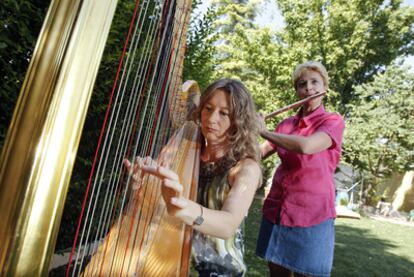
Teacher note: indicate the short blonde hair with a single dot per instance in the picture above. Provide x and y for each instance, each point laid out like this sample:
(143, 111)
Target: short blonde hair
(307, 66)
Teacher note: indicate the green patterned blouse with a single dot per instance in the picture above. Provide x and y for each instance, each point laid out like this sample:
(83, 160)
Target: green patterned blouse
(212, 256)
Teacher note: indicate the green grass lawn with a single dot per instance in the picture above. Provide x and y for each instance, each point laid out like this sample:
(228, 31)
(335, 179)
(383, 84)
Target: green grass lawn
(364, 247)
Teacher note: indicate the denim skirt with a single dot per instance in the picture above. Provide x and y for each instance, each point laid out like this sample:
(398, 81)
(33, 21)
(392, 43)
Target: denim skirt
(305, 250)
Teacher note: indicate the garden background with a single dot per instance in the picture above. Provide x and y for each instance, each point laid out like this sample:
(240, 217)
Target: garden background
(367, 48)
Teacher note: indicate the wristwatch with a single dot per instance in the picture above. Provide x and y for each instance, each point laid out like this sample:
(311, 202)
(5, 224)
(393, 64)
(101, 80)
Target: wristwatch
(199, 220)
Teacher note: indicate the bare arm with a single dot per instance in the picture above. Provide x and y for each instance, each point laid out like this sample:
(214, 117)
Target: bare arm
(244, 180)
(266, 150)
(314, 143)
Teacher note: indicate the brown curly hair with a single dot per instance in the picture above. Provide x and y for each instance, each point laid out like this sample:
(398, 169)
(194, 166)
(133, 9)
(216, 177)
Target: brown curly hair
(244, 131)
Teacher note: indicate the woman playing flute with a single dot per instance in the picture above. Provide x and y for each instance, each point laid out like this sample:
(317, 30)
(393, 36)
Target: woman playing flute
(297, 231)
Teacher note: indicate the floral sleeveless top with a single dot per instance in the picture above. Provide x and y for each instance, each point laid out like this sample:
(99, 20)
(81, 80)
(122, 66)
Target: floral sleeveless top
(211, 255)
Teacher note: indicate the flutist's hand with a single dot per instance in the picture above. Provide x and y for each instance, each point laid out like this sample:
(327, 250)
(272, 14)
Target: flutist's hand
(261, 123)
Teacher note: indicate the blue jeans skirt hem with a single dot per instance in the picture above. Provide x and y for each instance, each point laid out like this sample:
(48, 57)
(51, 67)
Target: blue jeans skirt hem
(305, 250)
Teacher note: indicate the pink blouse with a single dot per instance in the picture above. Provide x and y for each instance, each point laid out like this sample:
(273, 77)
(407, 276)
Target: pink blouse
(303, 189)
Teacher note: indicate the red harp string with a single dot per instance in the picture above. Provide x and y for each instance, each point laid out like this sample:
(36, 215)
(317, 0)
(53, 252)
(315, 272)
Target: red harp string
(120, 225)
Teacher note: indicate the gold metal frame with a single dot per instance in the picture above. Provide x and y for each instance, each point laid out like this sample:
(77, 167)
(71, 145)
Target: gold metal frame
(42, 141)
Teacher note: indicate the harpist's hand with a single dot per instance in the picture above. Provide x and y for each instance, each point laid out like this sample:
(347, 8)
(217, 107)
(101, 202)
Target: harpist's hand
(134, 172)
(177, 205)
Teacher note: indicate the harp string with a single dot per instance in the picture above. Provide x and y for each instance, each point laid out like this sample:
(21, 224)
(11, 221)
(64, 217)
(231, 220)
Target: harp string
(178, 59)
(115, 112)
(160, 94)
(99, 144)
(148, 35)
(105, 144)
(120, 153)
(157, 92)
(164, 99)
(125, 131)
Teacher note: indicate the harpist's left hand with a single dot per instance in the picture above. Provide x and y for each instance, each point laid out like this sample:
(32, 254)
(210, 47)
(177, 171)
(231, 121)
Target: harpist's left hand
(177, 205)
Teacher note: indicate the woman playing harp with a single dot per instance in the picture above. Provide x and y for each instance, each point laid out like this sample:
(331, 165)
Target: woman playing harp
(228, 178)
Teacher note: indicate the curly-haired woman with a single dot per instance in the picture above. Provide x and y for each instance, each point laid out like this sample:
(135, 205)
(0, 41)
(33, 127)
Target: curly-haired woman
(228, 179)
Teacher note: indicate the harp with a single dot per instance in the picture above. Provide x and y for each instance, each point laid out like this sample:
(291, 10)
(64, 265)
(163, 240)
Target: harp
(38, 154)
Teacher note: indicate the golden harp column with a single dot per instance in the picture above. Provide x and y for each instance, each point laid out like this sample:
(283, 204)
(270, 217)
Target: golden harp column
(39, 151)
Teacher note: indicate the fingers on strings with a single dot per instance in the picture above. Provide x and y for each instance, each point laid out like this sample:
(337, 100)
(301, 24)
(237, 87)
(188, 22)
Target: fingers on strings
(169, 179)
(148, 165)
(161, 171)
(135, 172)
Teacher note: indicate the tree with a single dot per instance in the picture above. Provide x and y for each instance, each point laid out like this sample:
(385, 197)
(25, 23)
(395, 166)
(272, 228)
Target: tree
(199, 63)
(233, 18)
(378, 138)
(354, 39)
